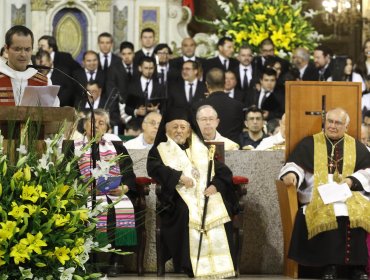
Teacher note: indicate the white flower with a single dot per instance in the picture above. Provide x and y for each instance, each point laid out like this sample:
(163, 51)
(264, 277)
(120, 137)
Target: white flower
(104, 278)
(78, 152)
(43, 161)
(297, 5)
(282, 54)
(26, 273)
(102, 169)
(310, 13)
(315, 36)
(22, 149)
(106, 248)
(216, 22)
(82, 259)
(89, 244)
(214, 38)
(224, 6)
(66, 274)
(48, 142)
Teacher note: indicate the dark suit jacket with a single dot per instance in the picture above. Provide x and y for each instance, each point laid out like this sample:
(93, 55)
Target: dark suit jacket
(257, 61)
(64, 61)
(311, 73)
(177, 94)
(136, 96)
(138, 56)
(176, 66)
(274, 104)
(239, 95)
(80, 76)
(251, 86)
(230, 112)
(215, 62)
(65, 93)
(117, 78)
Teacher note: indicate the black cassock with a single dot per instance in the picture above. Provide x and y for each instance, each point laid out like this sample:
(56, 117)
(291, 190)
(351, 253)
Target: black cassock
(174, 214)
(343, 246)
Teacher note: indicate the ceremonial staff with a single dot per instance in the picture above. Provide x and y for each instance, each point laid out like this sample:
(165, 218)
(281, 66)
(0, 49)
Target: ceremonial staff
(211, 155)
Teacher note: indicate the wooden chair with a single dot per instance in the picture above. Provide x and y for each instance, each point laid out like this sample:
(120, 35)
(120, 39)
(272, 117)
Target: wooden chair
(240, 187)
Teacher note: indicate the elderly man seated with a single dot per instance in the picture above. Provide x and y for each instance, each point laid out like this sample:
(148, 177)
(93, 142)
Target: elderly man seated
(330, 233)
(208, 121)
(145, 139)
(179, 162)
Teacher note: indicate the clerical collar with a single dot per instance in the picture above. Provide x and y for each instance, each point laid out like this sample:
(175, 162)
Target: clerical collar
(184, 146)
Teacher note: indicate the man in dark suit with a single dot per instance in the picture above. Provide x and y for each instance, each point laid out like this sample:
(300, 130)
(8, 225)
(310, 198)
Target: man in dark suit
(224, 60)
(61, 60)
(189, 89)
(267, 49)
(271, 101)
(106, 57)
(322, 57)
(145, 93)
(147, 38)
(301, 61)
(65, 93)
(89, 72)
(229, 110)
(188, 47)
(231, 89)
(163, 53)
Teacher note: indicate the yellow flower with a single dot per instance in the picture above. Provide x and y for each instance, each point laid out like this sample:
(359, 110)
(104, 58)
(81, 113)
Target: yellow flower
(260, 17)
(61, 220)
(62, 254)
(8, 229)
(256, 5)
(20, 253)
(62, 190)
(63, 204)
(18, 211)
(18, 175)
(271, 11)
(27, 173)
(34, 242)
(31, 208)
(246, 9)
(29, 193)
(84, 216)
(40, 192)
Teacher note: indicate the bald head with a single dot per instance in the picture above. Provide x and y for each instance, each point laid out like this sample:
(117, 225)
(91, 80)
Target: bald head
(188, 46)
(336, 124)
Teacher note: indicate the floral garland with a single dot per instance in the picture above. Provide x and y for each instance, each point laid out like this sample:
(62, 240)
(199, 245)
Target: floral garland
(250, 22)
(46, 230)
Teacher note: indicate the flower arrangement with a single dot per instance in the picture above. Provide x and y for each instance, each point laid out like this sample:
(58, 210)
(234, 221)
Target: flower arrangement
(250, 22)
(46, 229)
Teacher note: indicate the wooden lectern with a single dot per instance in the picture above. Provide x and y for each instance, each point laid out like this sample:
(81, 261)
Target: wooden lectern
(48, 121)
(305, 106)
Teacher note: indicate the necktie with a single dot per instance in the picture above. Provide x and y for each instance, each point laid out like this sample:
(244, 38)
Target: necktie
(190, 92)
(245, 79)
(91, 76)
(225, 64)
(264, 97)
(321, 75)
(128, 69)
(105, 62)
(163, 78)
(148, 54)
(146, 91)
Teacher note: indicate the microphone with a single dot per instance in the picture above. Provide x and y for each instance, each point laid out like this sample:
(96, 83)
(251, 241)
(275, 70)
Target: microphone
(43, 67)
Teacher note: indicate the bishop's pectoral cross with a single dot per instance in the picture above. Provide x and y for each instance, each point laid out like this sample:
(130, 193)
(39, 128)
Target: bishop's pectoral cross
(321, 113)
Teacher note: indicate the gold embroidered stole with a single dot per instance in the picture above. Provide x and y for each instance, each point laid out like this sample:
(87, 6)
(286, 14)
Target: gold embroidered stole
(215, 259)
(321, 217)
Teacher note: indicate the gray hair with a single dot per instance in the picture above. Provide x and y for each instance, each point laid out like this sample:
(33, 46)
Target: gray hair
(205, 107)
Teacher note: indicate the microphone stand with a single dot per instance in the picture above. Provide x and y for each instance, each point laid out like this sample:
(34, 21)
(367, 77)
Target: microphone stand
(93, 131)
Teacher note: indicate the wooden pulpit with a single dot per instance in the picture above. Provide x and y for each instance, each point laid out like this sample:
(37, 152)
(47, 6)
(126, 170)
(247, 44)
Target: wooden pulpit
(45, 121)
(306, 103)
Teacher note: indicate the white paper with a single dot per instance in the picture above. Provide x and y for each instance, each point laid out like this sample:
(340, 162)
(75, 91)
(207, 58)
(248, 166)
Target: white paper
(333, 192)
(44, 96)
